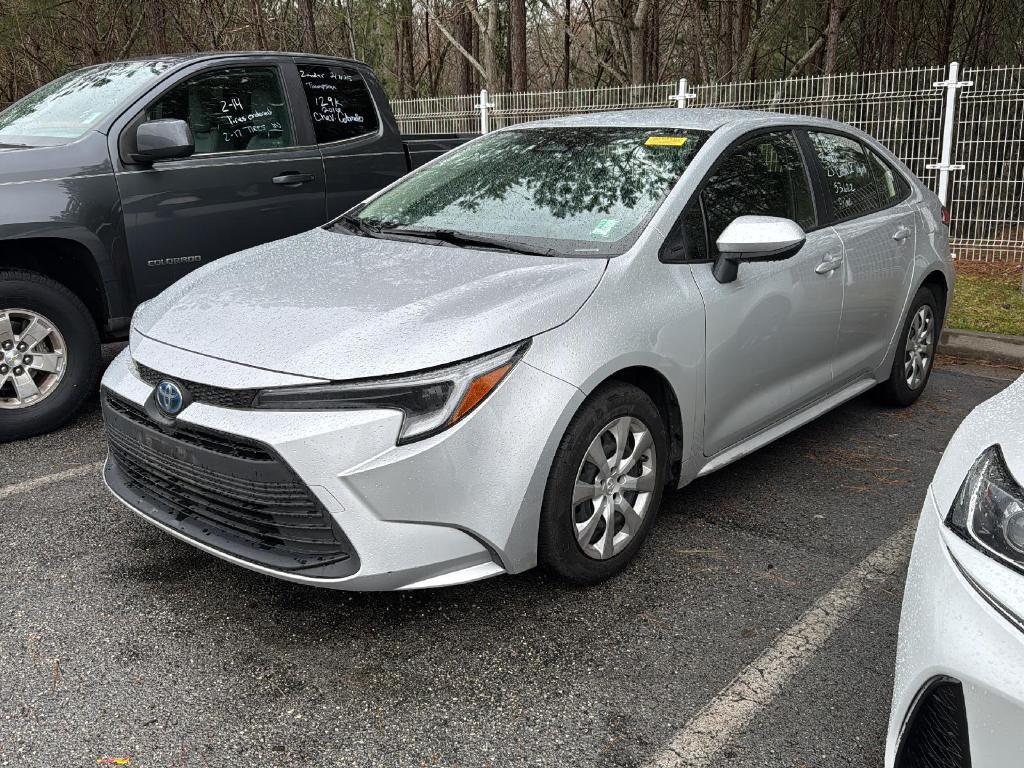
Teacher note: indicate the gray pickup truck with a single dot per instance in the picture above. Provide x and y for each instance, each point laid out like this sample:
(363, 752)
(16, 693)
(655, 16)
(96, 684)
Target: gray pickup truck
(117, 179)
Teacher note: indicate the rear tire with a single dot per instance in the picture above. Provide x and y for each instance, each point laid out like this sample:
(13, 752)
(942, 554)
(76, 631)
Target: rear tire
(915, 352)
(584, 493)
(65, 339)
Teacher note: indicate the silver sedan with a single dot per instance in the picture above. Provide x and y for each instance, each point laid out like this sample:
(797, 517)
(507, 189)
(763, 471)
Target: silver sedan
(504, 358)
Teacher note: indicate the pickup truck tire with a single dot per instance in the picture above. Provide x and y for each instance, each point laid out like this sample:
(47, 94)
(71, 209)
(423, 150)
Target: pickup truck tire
(68, 342)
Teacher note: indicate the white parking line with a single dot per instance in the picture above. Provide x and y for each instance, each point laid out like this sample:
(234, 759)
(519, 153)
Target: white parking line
(38, 482)
(699, 742)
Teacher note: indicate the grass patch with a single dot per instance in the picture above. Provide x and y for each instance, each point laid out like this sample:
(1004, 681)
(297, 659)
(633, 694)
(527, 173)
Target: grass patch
(989, 302)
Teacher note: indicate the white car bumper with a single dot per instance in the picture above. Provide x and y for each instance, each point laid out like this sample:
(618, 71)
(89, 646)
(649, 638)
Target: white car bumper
(456, 507)
(956, 630)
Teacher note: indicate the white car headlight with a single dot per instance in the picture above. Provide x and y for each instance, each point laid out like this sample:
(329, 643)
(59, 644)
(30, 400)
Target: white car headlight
(988, 511)
(431, 401)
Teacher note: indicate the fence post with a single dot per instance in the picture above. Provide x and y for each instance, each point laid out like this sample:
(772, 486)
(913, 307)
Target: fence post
(952, 84)
(683, 94)
(484, 106)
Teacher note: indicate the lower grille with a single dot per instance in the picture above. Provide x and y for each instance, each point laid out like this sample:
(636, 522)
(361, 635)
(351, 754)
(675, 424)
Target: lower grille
(230, 494)
(936, 735)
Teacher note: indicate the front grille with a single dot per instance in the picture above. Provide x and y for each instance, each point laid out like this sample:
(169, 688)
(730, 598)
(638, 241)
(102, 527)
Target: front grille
(202, 393)
(201, 438)
(936, 735)
(231, 494)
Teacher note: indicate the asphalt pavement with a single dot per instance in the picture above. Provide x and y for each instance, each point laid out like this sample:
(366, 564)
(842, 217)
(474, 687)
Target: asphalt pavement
(117, 641)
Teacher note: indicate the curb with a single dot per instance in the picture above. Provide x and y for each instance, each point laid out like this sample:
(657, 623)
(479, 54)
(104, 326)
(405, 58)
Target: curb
(990, 347)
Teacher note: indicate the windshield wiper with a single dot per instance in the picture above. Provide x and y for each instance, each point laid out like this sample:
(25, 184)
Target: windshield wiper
(358, 226)
(469, 239)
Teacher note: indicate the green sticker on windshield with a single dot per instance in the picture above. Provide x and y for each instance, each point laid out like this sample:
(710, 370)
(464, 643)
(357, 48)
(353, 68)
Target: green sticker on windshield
(604, 227)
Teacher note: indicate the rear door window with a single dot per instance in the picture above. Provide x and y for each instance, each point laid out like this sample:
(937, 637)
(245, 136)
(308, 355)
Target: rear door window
(230, 110)
(340, 104)
(851, 187)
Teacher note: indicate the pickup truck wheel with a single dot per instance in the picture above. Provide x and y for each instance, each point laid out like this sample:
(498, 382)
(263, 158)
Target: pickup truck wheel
(49, 354)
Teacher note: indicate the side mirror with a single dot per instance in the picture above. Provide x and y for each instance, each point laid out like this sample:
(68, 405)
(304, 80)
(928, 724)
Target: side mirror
(163, 140)
(755, 238)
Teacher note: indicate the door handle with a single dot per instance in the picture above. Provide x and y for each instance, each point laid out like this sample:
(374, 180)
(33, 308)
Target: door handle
(293, 179)
(901, 234)
(829, 263)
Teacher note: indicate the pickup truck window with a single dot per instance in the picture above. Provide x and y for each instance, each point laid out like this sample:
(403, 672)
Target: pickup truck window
(230, 110)
(584, 191)
(65, 109)
(340, 104)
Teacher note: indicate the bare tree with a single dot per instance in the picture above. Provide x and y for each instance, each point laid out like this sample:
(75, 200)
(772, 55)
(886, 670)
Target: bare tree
(517, 43)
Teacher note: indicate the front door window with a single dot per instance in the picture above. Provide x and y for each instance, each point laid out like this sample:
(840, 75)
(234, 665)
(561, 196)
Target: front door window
(230, 110)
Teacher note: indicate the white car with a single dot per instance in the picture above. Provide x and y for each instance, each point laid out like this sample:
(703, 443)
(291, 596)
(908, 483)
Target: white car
(959, 691)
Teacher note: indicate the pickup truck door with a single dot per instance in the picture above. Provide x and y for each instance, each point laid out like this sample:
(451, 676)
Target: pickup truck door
(255, 176)
(357, 134)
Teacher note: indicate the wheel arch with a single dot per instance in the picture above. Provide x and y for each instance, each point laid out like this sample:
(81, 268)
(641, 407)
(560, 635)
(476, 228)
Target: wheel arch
(657, 386)
(65, 260)
(936, 282)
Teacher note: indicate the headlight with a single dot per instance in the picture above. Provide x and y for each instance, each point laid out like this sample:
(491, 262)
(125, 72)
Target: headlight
(431, 401)
(988, 511)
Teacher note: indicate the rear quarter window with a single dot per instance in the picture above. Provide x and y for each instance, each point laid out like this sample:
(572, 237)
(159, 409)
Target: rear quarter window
(340, 104)
(892, 186)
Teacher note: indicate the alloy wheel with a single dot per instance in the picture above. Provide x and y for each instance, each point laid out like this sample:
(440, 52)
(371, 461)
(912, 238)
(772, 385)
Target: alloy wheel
(33, 358)
(614, 488)
(918, 351)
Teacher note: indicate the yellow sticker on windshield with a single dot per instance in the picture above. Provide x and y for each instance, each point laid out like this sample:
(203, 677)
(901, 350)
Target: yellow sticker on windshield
(665, 141)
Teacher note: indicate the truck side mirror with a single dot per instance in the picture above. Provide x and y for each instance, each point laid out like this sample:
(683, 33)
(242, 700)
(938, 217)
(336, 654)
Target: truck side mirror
(163, 140)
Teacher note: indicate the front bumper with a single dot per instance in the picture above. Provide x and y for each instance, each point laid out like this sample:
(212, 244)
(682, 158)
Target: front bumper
(459, 506)
(950, 631)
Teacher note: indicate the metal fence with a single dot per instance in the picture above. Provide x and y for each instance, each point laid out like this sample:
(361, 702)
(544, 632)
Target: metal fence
(961, 133)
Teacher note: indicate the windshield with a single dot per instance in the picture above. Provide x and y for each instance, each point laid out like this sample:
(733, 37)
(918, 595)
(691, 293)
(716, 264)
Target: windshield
(65, 109)
(576, 191)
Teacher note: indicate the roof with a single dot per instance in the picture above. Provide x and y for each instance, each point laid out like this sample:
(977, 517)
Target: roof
(695, 118)
(182, 58)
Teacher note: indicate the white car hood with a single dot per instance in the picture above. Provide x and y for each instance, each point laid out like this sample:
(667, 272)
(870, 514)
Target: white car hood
(336, 306)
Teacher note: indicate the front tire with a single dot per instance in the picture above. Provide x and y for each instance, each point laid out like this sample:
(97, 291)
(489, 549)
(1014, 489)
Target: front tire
(49, 354)
(605, 485)
(915, 355)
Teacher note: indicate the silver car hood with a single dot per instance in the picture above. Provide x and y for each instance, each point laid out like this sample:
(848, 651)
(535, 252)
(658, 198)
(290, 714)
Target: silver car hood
(337, 306)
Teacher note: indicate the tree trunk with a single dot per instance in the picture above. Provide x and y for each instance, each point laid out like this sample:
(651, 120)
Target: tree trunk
(431, 83)
(946, 37)
(517, 40)
(489, 42)
(566, 43)
(465, 33)
(835, 17)
(408, 60)
(309, 27)
(637, 26)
